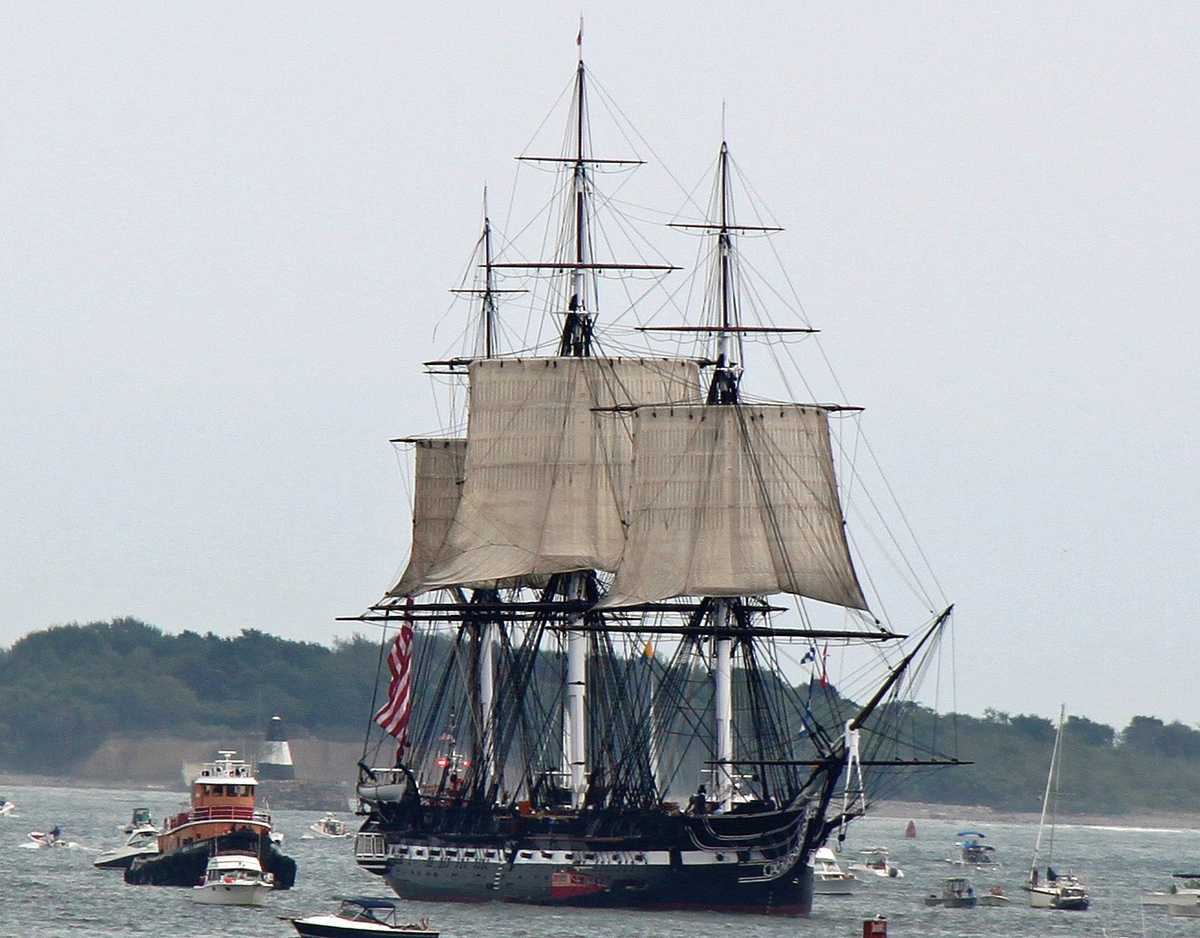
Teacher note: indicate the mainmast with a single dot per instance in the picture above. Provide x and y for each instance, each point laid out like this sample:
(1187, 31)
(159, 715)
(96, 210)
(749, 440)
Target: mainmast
(724, 390)
(576, 342)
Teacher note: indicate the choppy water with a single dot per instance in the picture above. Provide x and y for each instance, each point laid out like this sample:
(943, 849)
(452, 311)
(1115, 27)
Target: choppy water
(58, 893)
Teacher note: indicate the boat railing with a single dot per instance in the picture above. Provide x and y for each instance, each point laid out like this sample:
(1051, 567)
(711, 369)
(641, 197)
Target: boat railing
(220, 813)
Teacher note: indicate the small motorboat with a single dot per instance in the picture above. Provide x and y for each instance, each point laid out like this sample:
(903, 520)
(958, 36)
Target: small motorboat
(875, 861)
(362, 917)
(141, 842)
(50, 838)
(829, 879)
(331, 826)
(995, 897)
(7, 807)
(973, 852)
(141, 819)
(957, 893)
(1183, 899)
(234, 878)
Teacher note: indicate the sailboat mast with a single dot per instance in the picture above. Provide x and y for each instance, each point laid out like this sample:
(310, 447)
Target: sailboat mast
(1050, 783)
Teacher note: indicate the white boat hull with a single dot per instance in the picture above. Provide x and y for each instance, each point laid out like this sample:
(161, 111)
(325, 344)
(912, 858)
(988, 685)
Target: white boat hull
(833, 887)
(231, 893)
(120, 858)
(330, 926)
(1183, 907)
(1041, 899)
(1047, 897)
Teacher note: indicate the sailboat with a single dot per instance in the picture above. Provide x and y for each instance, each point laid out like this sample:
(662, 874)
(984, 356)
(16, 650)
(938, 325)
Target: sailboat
(1056, 890)
(597, 506)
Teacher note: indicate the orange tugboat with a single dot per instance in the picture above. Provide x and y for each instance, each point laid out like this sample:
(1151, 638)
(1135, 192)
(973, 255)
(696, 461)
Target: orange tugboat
(222, 817)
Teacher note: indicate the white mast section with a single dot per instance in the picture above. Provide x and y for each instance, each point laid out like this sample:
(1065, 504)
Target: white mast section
(487, 696)
(652, 723)
(854, 798)
(723, 706)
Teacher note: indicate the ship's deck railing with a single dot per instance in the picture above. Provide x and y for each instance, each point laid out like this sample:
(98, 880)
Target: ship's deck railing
(219, 813)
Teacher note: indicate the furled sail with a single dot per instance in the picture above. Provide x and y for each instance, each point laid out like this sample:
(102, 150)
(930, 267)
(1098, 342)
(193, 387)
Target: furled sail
(734, 500)
(548, 467)
(437, 486)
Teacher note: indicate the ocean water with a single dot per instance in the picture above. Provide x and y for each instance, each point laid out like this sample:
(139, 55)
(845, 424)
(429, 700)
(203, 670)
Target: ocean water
(58, 893)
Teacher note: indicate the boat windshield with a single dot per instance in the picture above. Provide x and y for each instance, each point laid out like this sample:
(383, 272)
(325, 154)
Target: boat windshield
(382, 911)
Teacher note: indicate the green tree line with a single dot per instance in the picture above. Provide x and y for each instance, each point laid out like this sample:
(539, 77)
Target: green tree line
(64, 690)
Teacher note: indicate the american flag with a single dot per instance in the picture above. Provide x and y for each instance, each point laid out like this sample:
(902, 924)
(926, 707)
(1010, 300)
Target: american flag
(393, 716)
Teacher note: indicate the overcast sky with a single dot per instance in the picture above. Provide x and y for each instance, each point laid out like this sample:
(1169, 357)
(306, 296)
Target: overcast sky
(228, 232)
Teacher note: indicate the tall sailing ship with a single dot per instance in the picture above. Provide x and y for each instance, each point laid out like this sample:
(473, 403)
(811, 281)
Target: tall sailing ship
(588, 704)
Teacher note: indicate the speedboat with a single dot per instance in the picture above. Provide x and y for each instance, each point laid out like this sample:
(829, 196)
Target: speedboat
(330, 826)
(1183, 899)
(51, 838)
(140, 820)
(957, 893)
(875, 860)
(829, 879)
(7, 807)
(362, 918)
(141, 842)
(975, 853)
(235, 878)
(995, 897)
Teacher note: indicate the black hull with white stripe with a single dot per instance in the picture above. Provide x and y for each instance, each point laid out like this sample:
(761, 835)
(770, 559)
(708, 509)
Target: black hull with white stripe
(754, 863)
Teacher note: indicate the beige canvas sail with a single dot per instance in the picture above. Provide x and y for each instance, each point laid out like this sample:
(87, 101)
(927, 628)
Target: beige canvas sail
(437, 488)
(548, 463)
(734, 501)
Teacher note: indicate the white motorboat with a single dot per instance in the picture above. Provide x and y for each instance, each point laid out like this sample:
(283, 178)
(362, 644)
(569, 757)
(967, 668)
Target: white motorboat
(1183, 899)
(1055, 890)
(7, 807)
(829, 879)
(362, 918)
(957, 893)
(143, 841)
(972, 851)
(139, 821)
(50, 838)
(331, 826)
(995, 897)
(875, 861)
(234, 878)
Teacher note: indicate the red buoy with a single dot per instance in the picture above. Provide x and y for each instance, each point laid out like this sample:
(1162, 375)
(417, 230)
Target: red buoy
(875, 927)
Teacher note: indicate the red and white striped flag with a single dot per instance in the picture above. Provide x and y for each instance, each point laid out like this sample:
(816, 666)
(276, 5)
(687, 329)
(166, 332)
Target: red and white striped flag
(394, 715)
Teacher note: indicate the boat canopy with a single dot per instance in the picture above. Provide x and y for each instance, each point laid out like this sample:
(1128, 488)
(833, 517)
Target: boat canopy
(970, 834)
(367, 902)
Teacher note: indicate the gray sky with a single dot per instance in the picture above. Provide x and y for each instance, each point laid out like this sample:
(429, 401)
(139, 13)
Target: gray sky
(229, 229)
